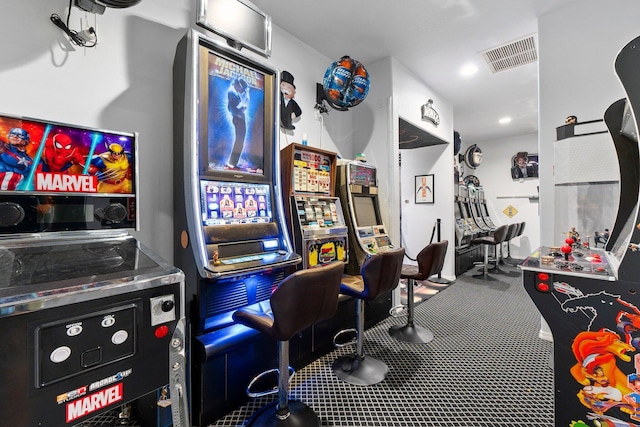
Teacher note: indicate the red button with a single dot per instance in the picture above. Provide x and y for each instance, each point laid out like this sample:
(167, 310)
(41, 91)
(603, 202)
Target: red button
(161, 331)
(542, 287)
(543, 276)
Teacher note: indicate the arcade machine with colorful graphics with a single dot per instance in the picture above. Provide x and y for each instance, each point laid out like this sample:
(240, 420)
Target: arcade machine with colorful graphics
(91, 321)
(314, 214)
(475, 207)
(590, 297)
(466, 229)
(484, 209)
(231, 238)
(357, 188)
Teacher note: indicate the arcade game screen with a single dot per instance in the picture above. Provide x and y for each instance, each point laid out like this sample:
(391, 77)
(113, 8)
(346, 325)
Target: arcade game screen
(38, 156)
(225, 203)
(362, 175)
(365, 211)
(235, 118)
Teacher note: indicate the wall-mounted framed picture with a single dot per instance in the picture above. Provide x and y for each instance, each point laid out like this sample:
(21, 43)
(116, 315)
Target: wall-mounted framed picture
(524, 165)
(424, 189)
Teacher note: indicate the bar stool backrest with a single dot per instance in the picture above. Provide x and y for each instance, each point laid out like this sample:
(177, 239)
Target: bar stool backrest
(304, 298)
(381, 273)
(431, 259)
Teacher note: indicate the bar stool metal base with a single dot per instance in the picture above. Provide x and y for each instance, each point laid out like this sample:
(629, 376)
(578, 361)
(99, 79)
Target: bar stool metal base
(411, 333)
(365, 371)
(300, 416)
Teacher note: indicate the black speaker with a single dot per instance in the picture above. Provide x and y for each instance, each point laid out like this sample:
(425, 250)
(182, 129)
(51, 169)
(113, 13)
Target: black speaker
(11, 214)
(114, 213)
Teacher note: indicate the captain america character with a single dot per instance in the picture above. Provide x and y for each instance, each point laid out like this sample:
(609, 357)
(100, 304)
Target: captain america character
(15, 163)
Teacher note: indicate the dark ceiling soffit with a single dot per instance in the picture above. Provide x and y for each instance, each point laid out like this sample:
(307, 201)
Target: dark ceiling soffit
(411, 136)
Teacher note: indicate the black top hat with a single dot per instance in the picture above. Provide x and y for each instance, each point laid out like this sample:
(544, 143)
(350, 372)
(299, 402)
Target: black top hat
(286, 77)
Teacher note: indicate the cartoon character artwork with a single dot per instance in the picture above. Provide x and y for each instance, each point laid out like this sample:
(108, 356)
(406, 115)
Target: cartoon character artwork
(113, 169)
(60, 154)
(289, 108)
(605, 384)
(15, 163)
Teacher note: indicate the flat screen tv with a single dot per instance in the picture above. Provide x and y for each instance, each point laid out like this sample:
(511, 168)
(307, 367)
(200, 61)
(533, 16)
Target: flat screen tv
(236, 102)
(41, 157)
(240, 22)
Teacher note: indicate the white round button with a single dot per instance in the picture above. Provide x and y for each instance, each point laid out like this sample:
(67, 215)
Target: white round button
(108, 321)
(74, 330)
(119, 337)
(60, 354)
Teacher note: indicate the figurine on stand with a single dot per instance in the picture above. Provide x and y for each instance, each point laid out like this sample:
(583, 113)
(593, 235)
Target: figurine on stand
(574, 235)
(601, 237)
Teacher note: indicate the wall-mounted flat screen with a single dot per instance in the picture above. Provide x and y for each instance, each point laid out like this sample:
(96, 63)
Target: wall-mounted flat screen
(238, 21)
(236, 103)
(228, 203)
(365, 211)
(40, 157)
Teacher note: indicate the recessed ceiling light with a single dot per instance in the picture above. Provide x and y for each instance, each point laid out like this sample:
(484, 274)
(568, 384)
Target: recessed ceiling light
(469, 70)
(504, 120)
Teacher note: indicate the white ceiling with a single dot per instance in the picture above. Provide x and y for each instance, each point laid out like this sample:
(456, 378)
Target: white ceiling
(433, 39)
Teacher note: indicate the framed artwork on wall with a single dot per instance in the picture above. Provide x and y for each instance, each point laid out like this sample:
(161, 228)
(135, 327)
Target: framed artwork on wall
(424, 189)
(524, 165)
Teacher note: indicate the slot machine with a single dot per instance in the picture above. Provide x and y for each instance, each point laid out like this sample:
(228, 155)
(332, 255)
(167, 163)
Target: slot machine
(465, 208)
(484, 210)
(464, 233)
(231, 238)
(357, 188)
(589, 296)
(314, 214)
(92, 321)
(474, 209)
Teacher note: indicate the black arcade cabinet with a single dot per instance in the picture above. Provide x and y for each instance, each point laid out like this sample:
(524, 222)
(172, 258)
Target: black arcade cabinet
(590, 297)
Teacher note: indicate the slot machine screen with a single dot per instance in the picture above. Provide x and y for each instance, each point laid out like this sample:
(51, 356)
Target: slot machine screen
(365, 211)
(236, 115)
(39, 157)
(359, 174)
(228, 203)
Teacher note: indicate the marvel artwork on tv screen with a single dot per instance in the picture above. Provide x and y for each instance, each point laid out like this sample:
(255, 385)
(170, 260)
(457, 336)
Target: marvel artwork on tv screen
(43, 157)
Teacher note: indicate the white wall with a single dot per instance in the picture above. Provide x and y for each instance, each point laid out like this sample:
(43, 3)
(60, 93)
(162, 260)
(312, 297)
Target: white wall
(125, 84)
(577, 45)
(399, 93)
(501, 191)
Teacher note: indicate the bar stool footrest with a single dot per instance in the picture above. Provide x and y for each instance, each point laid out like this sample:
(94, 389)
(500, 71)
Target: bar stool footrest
(262, 375)
(340, 334)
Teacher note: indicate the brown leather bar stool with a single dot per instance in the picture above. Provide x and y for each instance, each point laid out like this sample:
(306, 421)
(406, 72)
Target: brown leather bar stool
(519, 232)
(511, 233)
(380, 274)
(430, 262)
(302, 299)
(494, 239)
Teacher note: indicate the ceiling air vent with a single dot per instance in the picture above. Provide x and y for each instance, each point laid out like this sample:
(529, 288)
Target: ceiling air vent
(511, 55)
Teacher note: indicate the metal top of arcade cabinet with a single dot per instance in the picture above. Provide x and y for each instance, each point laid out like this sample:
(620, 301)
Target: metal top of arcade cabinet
(51, 269)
